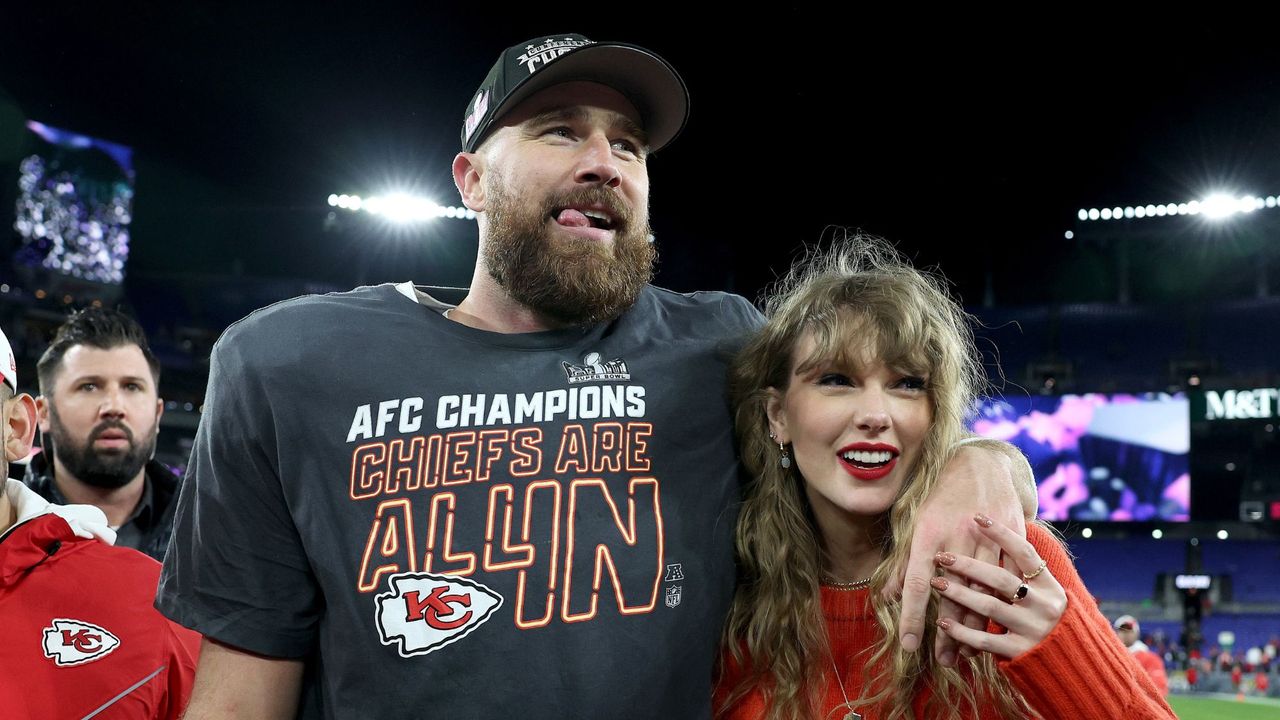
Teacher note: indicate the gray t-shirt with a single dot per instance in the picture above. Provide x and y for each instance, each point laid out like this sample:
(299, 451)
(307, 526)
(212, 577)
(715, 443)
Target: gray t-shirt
(453, 523)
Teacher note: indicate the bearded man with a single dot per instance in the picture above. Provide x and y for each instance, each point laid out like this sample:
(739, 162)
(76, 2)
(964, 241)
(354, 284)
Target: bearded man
(99, 413)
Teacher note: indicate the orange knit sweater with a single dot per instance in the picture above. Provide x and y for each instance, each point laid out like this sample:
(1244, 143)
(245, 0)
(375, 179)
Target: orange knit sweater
(1079, 671)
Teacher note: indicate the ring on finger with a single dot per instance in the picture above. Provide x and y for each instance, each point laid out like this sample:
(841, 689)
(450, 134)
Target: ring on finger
(1043, 564)
(1020, 594)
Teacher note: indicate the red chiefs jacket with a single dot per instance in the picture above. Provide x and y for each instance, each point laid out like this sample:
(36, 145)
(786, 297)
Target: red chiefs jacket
(80, 636)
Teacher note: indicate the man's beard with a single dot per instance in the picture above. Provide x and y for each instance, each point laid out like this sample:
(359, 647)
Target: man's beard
(572, 280)
(92, 467)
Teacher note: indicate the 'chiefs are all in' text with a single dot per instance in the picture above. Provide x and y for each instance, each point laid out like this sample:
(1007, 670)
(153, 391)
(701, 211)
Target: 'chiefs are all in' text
(540, 485)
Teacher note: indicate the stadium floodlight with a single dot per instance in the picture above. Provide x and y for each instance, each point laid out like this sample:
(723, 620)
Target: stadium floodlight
(1086, 533)
(400, 208)
(1215, 206)
(1222, 534)
(1157, 533)
(1220, 205)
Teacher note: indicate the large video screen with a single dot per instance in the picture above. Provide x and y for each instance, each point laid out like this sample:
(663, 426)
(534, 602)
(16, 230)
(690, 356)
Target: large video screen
(1096, 457)
(75, 203)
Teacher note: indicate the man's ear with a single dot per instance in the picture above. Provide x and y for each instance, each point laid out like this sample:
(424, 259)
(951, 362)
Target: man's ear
(468, 169)
(20, 415)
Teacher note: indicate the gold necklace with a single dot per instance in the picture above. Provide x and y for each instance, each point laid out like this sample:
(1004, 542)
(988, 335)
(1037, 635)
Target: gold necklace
(831, 582)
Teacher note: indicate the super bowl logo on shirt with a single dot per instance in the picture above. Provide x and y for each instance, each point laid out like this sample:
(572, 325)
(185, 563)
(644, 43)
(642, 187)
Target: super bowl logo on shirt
(75, 642)
(424, 612)
(593, 370)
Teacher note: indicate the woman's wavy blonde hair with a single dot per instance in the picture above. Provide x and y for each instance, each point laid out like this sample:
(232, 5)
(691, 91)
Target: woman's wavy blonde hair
(860, 295)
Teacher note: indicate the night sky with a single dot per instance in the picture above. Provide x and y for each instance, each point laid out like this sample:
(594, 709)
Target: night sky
(969, 140)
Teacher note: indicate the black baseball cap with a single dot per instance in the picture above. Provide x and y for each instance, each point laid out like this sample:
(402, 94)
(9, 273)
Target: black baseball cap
(646, 80)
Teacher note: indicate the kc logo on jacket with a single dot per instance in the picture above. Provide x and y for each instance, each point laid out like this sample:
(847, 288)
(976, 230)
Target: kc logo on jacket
(75, 642)
(424, 612)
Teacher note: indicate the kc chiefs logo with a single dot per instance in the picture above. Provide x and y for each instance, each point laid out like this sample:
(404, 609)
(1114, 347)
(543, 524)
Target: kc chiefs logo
(424, 612)
(75, 642)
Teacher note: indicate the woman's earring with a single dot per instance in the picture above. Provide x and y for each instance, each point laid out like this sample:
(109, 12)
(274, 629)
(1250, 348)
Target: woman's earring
(786, 458)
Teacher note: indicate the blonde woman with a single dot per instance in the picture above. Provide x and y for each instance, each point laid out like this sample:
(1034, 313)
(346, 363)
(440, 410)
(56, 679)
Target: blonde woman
(848, 404)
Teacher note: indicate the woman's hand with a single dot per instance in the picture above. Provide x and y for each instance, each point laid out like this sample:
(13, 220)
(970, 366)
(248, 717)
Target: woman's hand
(975, 479)
(1026, 598)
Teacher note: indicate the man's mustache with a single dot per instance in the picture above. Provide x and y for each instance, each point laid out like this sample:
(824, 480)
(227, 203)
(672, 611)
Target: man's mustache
(106, 425)
(623, 217)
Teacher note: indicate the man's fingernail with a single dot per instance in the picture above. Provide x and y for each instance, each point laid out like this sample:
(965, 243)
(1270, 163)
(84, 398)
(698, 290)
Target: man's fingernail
(983, 520)
(939, 583)
(945, 558)
(910, 642)
(944, 623)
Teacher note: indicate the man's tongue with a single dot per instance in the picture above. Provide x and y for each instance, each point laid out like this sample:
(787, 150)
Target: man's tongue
(572, 218)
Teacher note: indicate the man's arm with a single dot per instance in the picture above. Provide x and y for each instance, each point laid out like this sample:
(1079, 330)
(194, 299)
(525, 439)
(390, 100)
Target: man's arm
(982, 476)
(235, 685)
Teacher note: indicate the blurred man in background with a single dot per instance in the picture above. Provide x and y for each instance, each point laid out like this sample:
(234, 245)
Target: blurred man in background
(99, 412)
(1127, 628)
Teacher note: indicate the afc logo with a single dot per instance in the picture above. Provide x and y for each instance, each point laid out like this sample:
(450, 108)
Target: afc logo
(75, 642)
(423, 612)
(674, 573)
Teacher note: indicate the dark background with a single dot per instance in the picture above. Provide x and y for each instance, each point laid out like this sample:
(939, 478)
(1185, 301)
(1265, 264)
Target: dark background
(969, 140)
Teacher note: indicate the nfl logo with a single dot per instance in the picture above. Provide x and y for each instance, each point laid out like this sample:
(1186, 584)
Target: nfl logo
(673, 596)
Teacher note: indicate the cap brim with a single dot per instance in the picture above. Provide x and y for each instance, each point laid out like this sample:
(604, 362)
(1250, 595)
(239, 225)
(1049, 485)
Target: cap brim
(646, 80)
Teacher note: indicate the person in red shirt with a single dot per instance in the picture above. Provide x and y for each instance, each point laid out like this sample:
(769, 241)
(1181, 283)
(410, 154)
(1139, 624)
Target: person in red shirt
(81, 637)
(1128, 629)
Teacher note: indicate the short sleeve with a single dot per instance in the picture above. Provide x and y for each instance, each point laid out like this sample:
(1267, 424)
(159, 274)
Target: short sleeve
(236, 570)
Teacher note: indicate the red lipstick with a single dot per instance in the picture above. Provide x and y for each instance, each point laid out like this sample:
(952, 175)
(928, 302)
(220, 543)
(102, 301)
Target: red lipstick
(869, 473)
